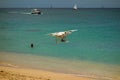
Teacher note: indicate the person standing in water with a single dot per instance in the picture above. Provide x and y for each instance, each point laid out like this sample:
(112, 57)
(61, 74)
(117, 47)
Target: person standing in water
(32, 45)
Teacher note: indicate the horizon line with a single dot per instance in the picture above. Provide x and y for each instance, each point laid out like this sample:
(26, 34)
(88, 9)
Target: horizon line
(63, 8)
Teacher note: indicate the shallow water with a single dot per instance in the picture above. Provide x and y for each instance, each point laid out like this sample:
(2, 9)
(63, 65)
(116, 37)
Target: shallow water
(97, 38)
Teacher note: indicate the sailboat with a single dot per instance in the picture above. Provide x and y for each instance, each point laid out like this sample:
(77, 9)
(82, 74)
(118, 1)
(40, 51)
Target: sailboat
(75, 7)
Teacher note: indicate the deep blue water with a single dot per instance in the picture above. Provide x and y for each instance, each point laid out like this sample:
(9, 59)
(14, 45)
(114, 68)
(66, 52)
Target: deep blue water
(97, 38)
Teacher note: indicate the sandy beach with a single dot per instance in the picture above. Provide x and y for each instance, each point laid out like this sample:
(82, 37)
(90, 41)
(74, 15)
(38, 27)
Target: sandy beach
(10, 72)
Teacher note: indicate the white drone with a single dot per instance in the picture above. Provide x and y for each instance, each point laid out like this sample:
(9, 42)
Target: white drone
(61, 36)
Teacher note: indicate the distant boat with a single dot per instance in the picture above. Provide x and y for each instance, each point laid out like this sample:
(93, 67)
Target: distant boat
(51, 6)
(36, 11)
(75, 7)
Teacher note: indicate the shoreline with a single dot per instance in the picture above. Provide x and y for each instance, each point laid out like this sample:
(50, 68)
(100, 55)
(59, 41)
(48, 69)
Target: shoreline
(12, 61)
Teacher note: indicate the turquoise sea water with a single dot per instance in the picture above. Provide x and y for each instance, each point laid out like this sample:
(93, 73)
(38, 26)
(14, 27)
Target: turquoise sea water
(97, 39)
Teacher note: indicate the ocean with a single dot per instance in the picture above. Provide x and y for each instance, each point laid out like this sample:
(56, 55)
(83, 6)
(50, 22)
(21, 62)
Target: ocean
(95, 44)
